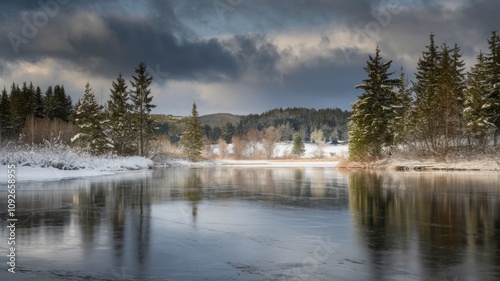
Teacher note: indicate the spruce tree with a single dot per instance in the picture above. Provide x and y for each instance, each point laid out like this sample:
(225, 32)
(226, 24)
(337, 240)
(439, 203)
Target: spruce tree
(91, 136)
(48, 103)
(192, 138)
(62, 104)
(426, 113)
(38, 110)
(17, 111)
(449, 99)
(4, 116)
(493, 82)
(28, 94)
(141, 100)
(370, 125)
(476, 97)
(401, 123)
(298, 148)
(119, 111)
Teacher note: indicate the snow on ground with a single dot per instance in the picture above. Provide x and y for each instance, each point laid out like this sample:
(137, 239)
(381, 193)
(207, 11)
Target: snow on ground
(314, 156)
(284, 150)
(47, 164)
(314, 150)
(27, 174)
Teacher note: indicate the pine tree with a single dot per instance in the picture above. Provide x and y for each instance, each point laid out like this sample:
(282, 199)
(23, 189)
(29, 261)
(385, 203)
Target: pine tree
(227, 132)
(48, 103)
(28, 93)
(401, 122)
(91, 136)
(449, 99)
(4, 116)
(62, 104)
(38, 109)
(476, 95)
(141, 99)
(370, 127)
(17, 111)
(493, 81)
(72, 118)
(119, 111)
(426, 114)
(192, 138)
(298, 148)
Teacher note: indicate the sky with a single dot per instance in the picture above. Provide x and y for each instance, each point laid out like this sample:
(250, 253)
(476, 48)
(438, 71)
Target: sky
(230, 56)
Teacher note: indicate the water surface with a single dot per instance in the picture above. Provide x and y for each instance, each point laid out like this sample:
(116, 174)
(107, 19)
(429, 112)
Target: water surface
(240, 223)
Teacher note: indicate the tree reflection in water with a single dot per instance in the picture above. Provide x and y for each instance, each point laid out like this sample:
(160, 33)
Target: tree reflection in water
(433, 221)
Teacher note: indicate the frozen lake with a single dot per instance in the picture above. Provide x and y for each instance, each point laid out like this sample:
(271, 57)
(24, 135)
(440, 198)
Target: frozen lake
(257, 223)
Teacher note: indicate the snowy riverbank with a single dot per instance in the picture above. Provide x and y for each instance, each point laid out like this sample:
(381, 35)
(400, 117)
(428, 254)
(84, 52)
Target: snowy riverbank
(49, 164)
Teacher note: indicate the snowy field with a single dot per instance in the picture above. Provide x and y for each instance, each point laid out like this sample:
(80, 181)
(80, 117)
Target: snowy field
(284, 150)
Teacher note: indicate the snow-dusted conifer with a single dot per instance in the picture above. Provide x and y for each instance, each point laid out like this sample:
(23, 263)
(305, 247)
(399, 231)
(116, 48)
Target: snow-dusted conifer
(298, 148)
(4, 116)
(192, 138)
(141, 100)
(369, 125)
(91, 136)
(119, 113)
(476, 97)
(492, 105)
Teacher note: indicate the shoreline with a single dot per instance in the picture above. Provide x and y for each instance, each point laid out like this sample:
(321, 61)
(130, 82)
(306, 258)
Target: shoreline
(280, 163)
(29, 174)
(483, 165)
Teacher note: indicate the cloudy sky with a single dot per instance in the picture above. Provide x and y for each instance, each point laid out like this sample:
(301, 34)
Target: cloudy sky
(235, 56)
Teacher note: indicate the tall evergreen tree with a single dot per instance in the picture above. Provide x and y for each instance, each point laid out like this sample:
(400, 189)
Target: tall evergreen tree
(38, 108)
(48, 103)
(119, 117)
(401, 122)
(192, 138)
(370, 128)
(91, 135)
(426, 114)
(4, 116)
(17, 111)
(449, 99)
(298, 148)
(62, 104)
(141, 99)
(476, 95)
(493, 81)
(28, 93)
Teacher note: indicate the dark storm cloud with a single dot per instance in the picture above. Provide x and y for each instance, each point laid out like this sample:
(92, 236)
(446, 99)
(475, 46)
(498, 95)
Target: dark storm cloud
(156, 37)
(230, 41)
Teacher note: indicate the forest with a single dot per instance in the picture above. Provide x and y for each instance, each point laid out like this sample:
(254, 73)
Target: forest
(323, 125)
(445, 113)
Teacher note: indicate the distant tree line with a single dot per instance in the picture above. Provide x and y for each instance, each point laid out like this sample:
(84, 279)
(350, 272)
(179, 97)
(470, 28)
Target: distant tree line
(323, 125)
(327, 125)
(445, 111)
(123, 126)
(28, 100)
